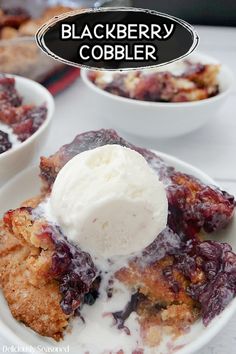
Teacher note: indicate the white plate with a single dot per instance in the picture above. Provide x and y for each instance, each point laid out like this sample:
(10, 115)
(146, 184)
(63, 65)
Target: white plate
(26, 185)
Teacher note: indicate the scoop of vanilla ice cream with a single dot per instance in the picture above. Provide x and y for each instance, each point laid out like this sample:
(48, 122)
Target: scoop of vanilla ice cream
(109, 201)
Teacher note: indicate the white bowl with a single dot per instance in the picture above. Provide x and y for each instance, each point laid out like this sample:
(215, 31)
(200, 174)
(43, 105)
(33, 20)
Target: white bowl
(160, 119)
(25, 185)
(17, 158)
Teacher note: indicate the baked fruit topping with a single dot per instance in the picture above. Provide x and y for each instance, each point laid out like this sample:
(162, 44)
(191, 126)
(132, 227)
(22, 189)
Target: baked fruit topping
(19, 121)
(189, 81)
(193, 206)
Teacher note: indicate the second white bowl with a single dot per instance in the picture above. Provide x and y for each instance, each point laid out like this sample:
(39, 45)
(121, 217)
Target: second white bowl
(160, 119)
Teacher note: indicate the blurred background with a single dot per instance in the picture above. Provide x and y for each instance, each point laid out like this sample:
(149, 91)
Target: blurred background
(20, 20)
(208, 12)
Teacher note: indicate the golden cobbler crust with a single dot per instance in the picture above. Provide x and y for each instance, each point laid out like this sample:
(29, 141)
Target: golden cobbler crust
(33, 297)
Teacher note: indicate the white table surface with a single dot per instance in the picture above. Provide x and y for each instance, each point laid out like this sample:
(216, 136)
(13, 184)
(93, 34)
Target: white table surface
(212, 149)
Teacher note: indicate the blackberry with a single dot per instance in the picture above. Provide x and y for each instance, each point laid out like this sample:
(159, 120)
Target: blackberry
(5, 143)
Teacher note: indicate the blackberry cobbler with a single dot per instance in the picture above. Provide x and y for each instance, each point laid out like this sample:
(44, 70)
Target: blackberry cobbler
(18, 50)
(184, 81)
(18, 121)
(179, 278)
